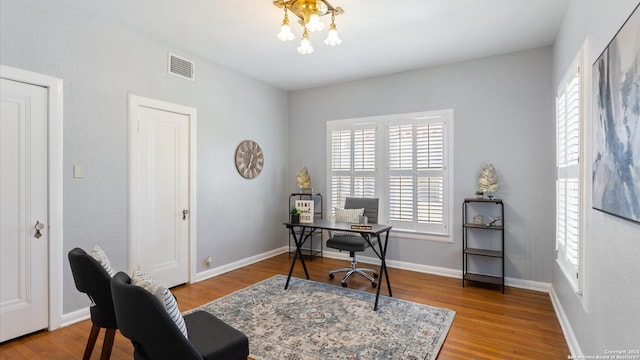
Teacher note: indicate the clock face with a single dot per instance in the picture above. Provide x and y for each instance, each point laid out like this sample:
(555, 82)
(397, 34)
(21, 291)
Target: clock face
(249, 159)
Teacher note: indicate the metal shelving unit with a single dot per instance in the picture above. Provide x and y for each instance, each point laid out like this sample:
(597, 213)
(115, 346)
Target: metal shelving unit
(469, 251)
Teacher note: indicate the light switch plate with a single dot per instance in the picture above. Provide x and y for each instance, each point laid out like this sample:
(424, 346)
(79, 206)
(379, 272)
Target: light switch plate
(78, 171)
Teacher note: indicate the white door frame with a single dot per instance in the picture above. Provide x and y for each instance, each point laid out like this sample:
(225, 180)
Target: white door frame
(55, 181)
(136, 101)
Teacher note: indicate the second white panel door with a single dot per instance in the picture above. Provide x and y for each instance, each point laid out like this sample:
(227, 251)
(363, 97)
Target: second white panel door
(161, 186)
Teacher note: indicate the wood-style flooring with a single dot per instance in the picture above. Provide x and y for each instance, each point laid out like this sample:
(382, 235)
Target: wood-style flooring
(519, 324)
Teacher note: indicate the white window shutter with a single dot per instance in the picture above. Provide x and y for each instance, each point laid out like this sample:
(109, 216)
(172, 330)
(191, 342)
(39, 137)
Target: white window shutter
(417, 193)
(353, 164)
(568, 184)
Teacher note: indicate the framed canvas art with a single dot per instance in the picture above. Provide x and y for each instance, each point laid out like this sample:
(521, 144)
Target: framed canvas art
(616, 124)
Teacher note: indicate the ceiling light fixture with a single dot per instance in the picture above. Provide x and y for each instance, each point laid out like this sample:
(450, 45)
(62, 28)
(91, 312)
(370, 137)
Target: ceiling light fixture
(309, 12)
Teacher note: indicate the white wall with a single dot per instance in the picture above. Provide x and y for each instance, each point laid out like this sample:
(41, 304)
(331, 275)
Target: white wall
(503, 114)
(607, 315)
(101, 63)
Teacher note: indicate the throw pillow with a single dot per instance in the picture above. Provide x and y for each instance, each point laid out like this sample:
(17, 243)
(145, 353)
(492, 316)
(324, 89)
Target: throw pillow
(163, 295)
(102, 258)
(347, 215)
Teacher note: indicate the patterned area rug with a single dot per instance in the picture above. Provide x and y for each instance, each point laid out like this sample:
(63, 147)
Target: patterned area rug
(313, 320)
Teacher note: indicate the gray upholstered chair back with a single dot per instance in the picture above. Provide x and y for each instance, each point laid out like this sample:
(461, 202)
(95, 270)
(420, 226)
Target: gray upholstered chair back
(92, 279)
(370, 206)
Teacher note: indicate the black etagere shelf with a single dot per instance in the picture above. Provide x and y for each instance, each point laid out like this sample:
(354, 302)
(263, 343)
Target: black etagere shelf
(468, 251)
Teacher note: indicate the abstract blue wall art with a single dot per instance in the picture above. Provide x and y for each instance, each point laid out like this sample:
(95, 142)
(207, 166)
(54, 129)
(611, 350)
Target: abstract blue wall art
(616, 124)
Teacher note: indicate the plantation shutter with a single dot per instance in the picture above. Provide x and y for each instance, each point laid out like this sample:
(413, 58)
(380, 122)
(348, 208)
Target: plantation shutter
(416, 183)
(353, 164)
(568, 120)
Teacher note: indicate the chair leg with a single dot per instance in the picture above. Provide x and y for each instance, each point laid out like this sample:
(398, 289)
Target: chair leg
(353, 269)
(109, 337)
(93, 336)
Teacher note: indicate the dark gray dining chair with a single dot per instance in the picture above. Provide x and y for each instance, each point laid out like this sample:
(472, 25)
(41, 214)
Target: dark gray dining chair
(144, 320)
(355, 242)
(92, 279)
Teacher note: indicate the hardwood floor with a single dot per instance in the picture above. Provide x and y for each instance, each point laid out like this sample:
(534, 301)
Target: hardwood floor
(519, 324)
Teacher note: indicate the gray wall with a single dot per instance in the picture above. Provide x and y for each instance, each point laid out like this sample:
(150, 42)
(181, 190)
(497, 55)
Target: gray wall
(607, 315)
(504, 114)
(101, 63)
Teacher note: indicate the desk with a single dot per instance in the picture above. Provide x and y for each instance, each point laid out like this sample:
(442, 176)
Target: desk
(307, 229)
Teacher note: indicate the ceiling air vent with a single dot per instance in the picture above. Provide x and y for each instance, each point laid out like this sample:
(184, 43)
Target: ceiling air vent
(181, 67)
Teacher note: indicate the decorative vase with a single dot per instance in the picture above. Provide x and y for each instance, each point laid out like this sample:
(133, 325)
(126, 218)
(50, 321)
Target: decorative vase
(295, 219)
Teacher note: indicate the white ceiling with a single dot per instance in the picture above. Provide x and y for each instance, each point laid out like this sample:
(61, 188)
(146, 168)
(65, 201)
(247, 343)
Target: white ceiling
(379, 37)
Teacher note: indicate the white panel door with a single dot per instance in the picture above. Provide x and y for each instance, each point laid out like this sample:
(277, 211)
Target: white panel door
(160, 219)
(23, 190)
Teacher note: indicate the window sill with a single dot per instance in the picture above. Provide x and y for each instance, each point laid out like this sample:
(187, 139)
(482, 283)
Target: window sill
(409, 234)
(567, 275)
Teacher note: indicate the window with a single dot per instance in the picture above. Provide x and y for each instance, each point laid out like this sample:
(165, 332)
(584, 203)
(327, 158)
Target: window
(353, 164)
(570, 120)
(401, 159)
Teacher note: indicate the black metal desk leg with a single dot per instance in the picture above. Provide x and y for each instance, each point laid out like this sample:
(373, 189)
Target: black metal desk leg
(383, 269)
(298, 243)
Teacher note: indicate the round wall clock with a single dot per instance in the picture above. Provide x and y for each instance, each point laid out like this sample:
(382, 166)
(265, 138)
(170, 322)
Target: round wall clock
(249, 159)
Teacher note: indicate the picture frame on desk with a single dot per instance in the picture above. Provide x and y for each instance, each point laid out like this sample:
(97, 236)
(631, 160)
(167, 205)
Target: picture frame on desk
(306, 210)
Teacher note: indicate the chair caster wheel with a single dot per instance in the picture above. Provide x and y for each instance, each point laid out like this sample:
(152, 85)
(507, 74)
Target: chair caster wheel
(344, 284)
(331, 276)
(375, 275)
(374, 284)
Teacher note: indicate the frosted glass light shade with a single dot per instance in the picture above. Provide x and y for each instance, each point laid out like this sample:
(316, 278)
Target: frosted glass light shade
(285, 33)
(305, 47)
(314, 23)
(332, 38)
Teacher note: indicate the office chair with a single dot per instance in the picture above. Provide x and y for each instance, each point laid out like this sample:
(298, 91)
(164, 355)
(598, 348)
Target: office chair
(353, 242)
(154, 335)
(92, 279)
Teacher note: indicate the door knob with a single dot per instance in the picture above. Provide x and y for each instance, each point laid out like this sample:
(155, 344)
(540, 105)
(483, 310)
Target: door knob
(39, 226)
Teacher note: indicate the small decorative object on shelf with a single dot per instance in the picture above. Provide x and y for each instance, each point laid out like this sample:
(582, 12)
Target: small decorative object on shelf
(295, 215)
(306, 210)
(492, 221)
(477, 220)
(303, 179)
(479, 194)
(488, 180)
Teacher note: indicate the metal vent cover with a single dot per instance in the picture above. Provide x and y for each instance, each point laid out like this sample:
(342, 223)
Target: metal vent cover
(181, 67)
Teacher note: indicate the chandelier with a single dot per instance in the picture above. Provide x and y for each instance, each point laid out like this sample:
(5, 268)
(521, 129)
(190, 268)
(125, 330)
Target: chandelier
(309, 13)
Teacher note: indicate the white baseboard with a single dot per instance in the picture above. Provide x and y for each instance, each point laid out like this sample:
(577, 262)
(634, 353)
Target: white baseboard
(570, 337)
(398, 264)
(435, 270)
(207, 274)
(528, 284)
(75, 316)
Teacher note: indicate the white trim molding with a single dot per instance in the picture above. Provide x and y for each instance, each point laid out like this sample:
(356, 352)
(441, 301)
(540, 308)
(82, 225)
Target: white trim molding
(435, 270)
(570, 337)
(207, 274)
